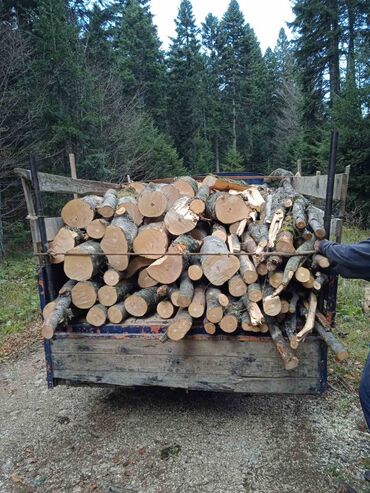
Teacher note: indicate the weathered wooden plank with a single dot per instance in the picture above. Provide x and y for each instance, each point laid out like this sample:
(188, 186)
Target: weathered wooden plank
(52, 225)
(315, 186)
(65, 184)
(288, 385)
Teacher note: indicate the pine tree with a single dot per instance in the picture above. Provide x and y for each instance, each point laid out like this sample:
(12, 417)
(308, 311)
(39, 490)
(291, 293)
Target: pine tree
(185, 67)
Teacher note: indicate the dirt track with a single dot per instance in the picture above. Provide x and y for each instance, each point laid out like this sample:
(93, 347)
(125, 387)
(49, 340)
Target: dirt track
(164, 441)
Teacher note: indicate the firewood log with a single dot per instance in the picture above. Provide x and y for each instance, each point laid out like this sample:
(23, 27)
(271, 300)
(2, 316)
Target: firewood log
(142, 302)
(247, 270)
(236, 286)
(144, 280)
(209, 327)
(195, 271)
(284, 307)
(309, 324)
(320, 281)
(223, 184)
(285, 237)
(271, 303)
(262, 269)
(118, 239)
(310, 283)
(276, 278)
(254, 311)
(198, 203)
(85, 293)
(134, 266)
(320, 261)
(219, 231)
(233, 243)
(302, 274)
(167, 269)
(186, 291)
(290, 325)
(78, 213)
(246, 323)
(254, 198)
(307, 234)
(217, 268)
(96, 229)
(299, 214)
(151, 240)
(172, 194)
(65, 239)
(165, 309)
(117, 313)
(226, 208)
(97, 315)
(275, 226)
(293, 302)
(254, 292)
(186, 185)
(242, 227)
(215, 310)
(232, 317)
(233, 228)
(315, 220)
(110, 295)
(109, 204)
(128, 204)
(337, 347)
(112, 277)
(197, 306)
(57, 311)
(248, 244)
(152, 201)
(259, 233)
(180, 219)
(290, 361)
(85, 266)
(181, 325)
(174, 295)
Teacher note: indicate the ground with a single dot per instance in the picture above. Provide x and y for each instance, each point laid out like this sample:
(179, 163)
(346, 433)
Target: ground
(165, 441)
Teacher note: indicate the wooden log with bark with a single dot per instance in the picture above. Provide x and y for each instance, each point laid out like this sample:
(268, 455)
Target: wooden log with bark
(290, 361)
(197, 306)
(66, 239)
(186, 291)
(142, 302)
(195, 271)
(118, 240)
(152, 201)
(111, 295)
(181, 325)
(96, 229)
(180, 219)
(84, 261)
(85, 293)
(152, 240)
(97, 315)
(226, 208)
(78, 213)
(107, 207)
(217, 267)
(198, 203)
(186, 185)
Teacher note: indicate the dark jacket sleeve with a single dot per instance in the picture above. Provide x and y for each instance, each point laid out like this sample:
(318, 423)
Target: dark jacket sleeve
(351, 261)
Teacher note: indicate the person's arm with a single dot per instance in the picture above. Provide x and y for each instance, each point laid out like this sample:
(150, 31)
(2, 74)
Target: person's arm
(349, 260)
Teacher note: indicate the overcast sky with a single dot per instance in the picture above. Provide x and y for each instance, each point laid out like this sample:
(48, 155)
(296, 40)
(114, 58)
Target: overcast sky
(266, 17)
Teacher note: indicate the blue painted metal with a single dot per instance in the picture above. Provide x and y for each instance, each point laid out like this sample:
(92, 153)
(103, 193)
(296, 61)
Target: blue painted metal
(323, 367)
(47, 346)
(41, 287)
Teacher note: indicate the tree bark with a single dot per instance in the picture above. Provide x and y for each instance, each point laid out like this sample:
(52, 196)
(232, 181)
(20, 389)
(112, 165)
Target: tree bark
(217, 268)
(85, 266)
(118, 239)
(109, 204)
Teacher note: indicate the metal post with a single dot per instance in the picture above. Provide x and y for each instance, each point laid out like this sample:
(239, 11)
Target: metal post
(42, 228)
(331, 292)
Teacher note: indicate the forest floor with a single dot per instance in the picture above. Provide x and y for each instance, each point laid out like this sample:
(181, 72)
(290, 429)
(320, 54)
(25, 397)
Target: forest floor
(157, 440)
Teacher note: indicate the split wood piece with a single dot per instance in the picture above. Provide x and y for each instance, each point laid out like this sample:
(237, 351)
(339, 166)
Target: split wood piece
(285, 237)
(97, 315)
(85, 294)
(152, 201)
(315, 220)
(165, 309)
(172, 194)
(186, 291)
(56, 315)
(273, 262)
(290, 361)
(180, 219)
(248, 244)
(226, 208)
(209, 327)
(275, 226)
(128, 205)
(254, 292)
(252, 216)
(200, 232)
(247, 270)
(259, 233)
(293, 302)
(198, 204)
(241, 228)
(320, 261)
(262, 269)
(117, 313)
(84, 267)
(215, 310)
(186, 185)
(284, 307)
(302, 274)
(310, 283)
(236, 286)
(232, 317)
(195, 271)
(268, 207)
(337, 347)
(78, 213)
(309, 324)
(167, 269)
(223, 184)
(320, 281)
(197, 306)
(254, 197)
(217, 268)
(276, 278)
(144, 280)
(181, 325)
(233, 228)
(233, 243)
(219, 231)
(109, 204)
(110, 295)
(271, 303)
(137, 186)
(135, 265)
(151, 238)
(118, 239)
(254, 311)
(65, 239)
(112, 277)
(293, 264)
(290, 325)
(307, 234)
(299, 214)
(142, 302)
(96, 229)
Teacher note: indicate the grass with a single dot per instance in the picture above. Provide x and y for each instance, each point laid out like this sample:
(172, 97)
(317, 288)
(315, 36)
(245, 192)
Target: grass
(19, 301)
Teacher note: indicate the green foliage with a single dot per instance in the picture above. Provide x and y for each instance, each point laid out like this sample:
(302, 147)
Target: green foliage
(233, 161)
(19, 302)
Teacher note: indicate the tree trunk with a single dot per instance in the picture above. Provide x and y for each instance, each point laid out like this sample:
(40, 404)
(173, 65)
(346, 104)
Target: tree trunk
(217, 268)
(85, 266)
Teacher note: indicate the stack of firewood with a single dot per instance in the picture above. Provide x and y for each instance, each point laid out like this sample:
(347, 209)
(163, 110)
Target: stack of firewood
(227, 254)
